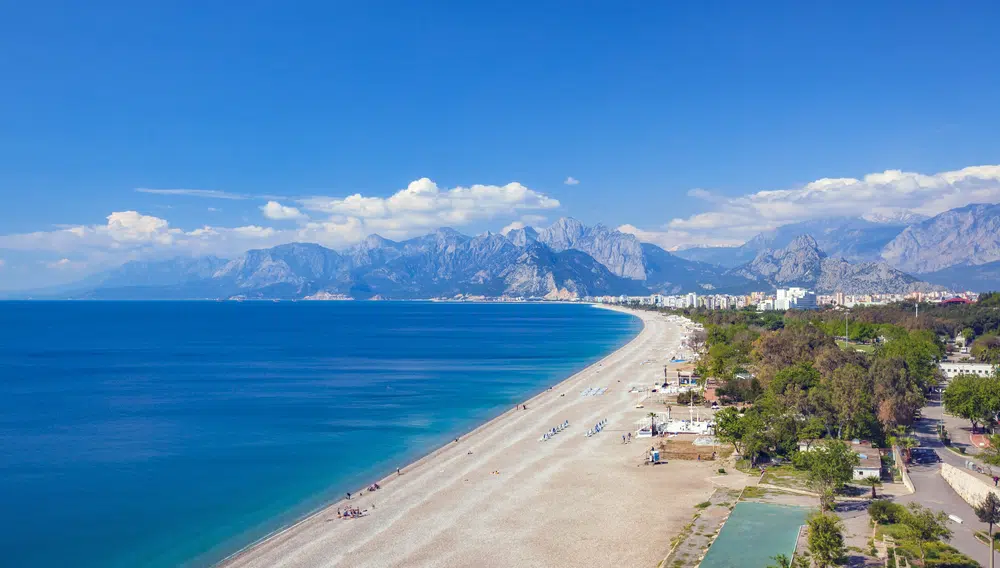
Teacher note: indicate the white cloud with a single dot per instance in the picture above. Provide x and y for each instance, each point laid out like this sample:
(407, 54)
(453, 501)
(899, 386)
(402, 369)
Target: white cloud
(672, 240)
(205, 193)
(888, 193)
(64, 264)
(214, 209)
(336, 223)
(512, 227)
(534, 220)
(572, 181)
(423, 206)
(278, 212)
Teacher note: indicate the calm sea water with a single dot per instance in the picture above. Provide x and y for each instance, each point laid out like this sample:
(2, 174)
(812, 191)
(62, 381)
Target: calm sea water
(174, 433)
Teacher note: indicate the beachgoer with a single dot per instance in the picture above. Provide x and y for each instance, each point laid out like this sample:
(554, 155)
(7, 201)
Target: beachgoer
(995, 480)
(623, 438)
(397, 471)
(348, 495)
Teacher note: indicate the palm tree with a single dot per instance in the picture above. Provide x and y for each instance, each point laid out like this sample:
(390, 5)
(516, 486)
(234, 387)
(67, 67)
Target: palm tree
(989, 512)
(907, 444)
(872, 481)
(652, 423)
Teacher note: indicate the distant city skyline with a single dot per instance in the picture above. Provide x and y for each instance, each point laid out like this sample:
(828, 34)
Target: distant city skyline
(189, 130)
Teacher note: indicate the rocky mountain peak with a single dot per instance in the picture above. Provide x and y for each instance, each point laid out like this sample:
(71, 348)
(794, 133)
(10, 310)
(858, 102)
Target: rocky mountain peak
(803, 264)
(619, 252)
(563, 234)
(522, 237)
(967, 236)
(374, 242)
(804, 243)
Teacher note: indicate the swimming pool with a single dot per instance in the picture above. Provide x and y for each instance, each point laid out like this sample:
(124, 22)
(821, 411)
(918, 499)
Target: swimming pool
(754, 533)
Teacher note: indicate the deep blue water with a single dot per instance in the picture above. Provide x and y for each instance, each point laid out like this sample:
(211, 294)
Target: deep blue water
(171, 433)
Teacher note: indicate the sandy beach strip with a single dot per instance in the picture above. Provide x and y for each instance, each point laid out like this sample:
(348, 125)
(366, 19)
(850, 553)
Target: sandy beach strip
(500, 497)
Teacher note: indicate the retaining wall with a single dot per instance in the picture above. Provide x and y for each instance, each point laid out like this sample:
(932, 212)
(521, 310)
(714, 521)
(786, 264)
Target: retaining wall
(897, 458)
(970, 487)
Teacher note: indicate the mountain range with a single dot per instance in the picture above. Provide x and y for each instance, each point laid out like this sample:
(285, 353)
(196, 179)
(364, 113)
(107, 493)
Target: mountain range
(564, 261)
(959, 248)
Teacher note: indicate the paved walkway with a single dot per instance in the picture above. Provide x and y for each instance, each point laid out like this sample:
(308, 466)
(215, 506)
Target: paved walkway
(934, 492)
(933, 414)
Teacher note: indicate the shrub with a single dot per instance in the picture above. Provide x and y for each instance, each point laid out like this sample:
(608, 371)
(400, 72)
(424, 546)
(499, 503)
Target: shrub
(722, 470)
(689, 397)
(885, 513)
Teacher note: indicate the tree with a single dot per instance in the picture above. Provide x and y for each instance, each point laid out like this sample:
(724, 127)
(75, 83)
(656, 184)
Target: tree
(729, 428)
(885, 512)
(851, 396)
(907, 443)
(873, 482)
(898, 396)
(919, 349)
(780, 561)
(811, 431)
(924, 526)
(652, 422)
(987, 348)
(991, 453)
(826, 539)
(831, 464)
(747, 432)
(975, 398)
(988, 512)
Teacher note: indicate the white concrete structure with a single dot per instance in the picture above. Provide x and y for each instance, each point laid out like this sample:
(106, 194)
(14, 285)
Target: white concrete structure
(952, 369)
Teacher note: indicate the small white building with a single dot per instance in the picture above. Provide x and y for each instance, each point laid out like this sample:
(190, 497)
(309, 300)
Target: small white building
(952, 369)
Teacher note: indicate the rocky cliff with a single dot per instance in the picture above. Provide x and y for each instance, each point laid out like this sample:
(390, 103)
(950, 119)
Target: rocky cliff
(966, 236)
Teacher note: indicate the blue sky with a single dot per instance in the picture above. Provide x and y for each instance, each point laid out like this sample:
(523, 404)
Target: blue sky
(671, 116)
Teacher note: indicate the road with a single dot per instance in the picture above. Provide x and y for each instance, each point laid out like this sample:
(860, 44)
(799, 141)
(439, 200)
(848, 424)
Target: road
(934, 492)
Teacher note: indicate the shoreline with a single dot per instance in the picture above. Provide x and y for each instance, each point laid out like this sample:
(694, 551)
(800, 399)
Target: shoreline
(387, 479)
(511, 441)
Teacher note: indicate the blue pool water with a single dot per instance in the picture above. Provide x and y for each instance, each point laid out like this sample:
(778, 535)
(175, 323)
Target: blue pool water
(754, 533)
(174, 433)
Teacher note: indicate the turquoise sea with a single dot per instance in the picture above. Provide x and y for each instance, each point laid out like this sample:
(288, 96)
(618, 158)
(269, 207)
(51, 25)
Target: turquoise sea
(174, 433)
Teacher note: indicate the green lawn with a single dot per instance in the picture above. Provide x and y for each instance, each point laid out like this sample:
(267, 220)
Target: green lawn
(787, 476)
(855, 346)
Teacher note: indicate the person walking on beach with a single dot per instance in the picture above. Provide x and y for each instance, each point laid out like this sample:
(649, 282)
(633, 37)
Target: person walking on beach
(348, 495)
(397, 471)
(623, 438)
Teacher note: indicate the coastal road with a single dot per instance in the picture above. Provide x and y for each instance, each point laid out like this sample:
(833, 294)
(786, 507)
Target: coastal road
(934, 492)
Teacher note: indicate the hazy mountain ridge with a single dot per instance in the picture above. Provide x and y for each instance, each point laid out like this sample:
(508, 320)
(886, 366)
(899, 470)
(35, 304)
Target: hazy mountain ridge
(567, 260)
(855, 239)
(961, 239)
(966, 236)
(803, 264)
